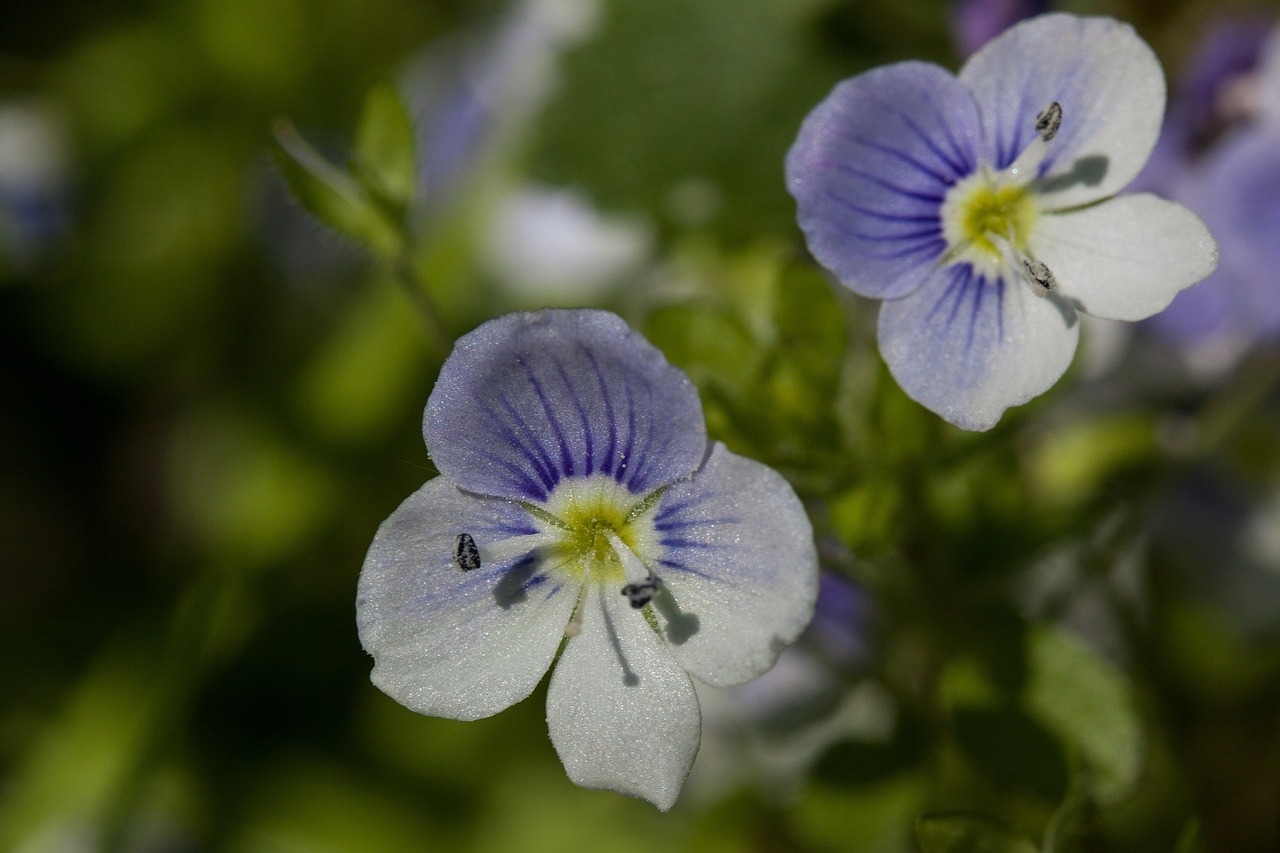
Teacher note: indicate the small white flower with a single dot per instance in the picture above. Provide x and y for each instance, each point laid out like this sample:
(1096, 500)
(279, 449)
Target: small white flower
(980, 208)
(579, 498)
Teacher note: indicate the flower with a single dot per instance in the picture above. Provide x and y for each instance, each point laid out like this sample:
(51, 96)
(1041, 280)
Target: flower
(579, 497)
(970, 204)
(1219, 153)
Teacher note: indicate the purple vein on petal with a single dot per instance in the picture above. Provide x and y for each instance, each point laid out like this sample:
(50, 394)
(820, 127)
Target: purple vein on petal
(681, 542)
(892, 187)
(680, 566)
(588, 439)
(611, 454)
(958, 275)
(521, 481)
(958, 169)
(668, 510)
(979, 289)
(540, 456)
(635, 479)
(933, 247)
(918, 165)
(628, 449)
(566, 459)
(1000, 307)
(967, 164)
(932, 217)
(687, 523)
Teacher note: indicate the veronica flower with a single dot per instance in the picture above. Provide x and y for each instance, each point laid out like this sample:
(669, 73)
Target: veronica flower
(980, 207)
(1219, 153)
(579, 498)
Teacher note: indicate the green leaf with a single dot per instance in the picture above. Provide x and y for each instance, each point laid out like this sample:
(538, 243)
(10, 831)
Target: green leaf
(1012, 750)
(333, 196)
(968, 834)
(867, 516)
(1086, 702)
(810, 325)
(384, 150)
(707, 342)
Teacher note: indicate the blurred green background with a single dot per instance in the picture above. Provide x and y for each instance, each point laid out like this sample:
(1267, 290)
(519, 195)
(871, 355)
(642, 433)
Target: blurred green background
(1069, 628)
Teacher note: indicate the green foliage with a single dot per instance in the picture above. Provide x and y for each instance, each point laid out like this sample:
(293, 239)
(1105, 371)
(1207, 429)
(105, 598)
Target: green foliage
(963, 834)
(383, 157)
(1087, 702)
(342, 202)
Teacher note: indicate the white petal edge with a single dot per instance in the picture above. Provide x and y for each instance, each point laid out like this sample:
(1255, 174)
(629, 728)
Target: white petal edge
(1106, 78)
(623, 715)
(750, 569)
(442, 642)
(970, 372)
(1125, 259)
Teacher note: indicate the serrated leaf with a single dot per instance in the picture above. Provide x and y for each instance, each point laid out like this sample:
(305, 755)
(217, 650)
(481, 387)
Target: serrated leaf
(968, 834)
(384, 150)
(1085, 701)
(332, 196)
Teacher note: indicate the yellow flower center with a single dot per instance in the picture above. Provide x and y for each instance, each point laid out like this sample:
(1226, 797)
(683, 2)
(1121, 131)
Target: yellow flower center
(581, 514)
(982, 217)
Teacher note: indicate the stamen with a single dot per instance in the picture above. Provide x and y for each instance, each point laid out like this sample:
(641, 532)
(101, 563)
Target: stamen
(642, 593)
(1038, 275)
(465, 552)
(1048, 121)
(470, 555)
(641, 584)
(1034, 272)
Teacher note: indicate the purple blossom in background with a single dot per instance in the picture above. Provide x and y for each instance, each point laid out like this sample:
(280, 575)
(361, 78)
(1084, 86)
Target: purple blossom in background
(771, 730)
(976, 22)
(579, 497)
(469, 96)
(980, 208)
(1219, 153)
(33, 180)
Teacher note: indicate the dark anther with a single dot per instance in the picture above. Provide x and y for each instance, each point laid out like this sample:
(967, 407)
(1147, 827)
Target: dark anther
(1049, 120)
(641, 593)
(1039, 274)
(465, 552)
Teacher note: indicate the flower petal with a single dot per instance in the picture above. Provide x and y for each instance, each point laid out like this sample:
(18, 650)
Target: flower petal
(623, 716)
(870, 168)
(528, 399)
(1238, 195)
(968, 348)
(1108, 82)
(738, 567)
(450, 643)
(1125, 259)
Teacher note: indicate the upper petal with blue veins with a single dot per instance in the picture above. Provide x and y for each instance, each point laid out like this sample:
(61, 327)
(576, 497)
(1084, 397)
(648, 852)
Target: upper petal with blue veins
(527, 400)
(1106, 79)
(871, 167)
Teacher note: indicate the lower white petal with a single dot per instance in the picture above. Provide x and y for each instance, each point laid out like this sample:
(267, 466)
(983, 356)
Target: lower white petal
(1125, 259)
(623, 715)
(454, 643)
(738, 565)
(968, 347)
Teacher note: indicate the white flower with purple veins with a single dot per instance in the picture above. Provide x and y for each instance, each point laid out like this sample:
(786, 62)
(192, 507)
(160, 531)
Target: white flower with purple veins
(580, 499)
(980, 208)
